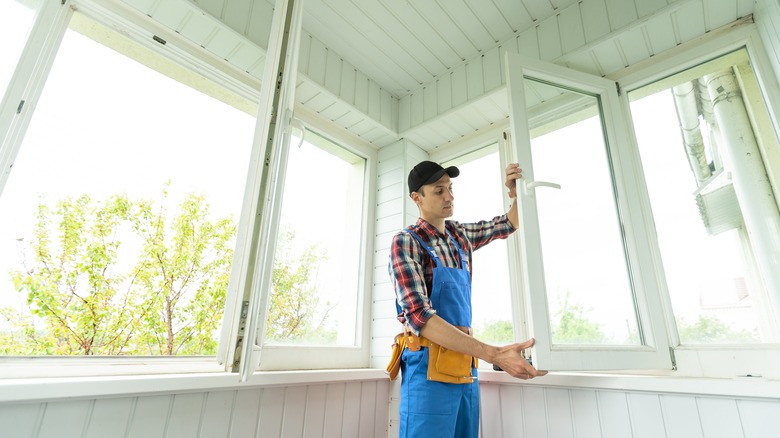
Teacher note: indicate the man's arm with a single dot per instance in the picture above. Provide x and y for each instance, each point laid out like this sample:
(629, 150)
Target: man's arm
(509, 358)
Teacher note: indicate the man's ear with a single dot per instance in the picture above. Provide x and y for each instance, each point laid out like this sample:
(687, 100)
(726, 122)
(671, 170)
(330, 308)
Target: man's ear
(415, 197)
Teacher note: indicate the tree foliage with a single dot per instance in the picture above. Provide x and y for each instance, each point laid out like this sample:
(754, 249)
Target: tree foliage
(571, 326)
(83, 297)
(129, 277)
(296, 313)
(711, 330)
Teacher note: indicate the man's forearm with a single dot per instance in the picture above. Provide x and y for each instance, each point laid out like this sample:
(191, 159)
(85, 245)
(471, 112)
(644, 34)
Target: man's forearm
(512, 214)
(445, 334)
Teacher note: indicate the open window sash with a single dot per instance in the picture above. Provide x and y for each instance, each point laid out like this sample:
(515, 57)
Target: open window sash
(569, 304)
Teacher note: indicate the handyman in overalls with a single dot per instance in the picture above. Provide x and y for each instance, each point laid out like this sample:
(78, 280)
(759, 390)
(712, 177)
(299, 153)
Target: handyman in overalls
(430, 266)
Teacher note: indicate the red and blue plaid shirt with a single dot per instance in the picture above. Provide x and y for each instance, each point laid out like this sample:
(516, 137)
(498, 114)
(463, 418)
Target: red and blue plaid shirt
(411, 268)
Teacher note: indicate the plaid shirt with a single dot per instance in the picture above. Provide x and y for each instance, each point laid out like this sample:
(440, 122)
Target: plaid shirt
(411, 268)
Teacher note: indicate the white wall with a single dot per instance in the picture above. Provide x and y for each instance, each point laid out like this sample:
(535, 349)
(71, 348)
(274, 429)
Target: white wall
(338, 409)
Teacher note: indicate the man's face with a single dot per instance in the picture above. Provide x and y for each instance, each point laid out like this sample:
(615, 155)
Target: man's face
(437, 201)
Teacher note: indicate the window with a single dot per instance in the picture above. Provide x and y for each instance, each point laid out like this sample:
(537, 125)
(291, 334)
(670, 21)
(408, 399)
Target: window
(715, 213)
(592, 304)
(118, 222)
(314, 297)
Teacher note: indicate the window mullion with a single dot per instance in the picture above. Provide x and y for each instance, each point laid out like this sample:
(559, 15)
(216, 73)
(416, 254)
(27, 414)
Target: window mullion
(28, 79)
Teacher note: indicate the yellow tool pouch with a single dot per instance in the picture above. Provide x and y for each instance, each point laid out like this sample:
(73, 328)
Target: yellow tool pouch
(448, 366)
(399, 344)
(444, 365)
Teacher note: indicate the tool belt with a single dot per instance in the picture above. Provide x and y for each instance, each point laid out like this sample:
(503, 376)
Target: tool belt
(444, 365)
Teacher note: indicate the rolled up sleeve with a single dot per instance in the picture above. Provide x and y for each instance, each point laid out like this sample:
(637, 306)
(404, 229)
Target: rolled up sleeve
(408, 278)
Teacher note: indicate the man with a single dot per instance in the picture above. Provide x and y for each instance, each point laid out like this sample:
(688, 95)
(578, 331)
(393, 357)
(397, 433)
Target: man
(430, 266)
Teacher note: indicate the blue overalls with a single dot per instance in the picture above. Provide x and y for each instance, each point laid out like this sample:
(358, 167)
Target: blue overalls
(430, 408)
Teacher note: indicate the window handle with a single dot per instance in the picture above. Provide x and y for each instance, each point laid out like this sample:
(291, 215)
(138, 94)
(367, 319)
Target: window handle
(530, 186)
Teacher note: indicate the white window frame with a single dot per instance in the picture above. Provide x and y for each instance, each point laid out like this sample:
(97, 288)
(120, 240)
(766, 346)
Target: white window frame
(27, 83)
(723, 361)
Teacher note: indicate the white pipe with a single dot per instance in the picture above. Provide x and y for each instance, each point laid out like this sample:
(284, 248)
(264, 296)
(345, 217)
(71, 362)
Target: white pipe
(688, 116)
(751, 183)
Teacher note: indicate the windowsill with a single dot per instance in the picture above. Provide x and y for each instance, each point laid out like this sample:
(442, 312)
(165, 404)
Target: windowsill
(730, 387)
(38, 389)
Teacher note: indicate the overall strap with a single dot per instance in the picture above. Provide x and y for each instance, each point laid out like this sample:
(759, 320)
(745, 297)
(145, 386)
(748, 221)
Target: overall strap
(428, 248)
(463, 263)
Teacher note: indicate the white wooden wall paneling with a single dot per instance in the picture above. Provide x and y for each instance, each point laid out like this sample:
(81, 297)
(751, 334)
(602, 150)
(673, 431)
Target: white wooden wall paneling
(585, 411)
(719, 416)
(215, 414)
(559, 413)
(613, 410)
(759, 417)
(646, 418)
(681, 416)
(549, 40)
(145, 416)
(245, 415)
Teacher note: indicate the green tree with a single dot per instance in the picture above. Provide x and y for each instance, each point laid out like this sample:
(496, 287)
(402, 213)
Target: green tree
(296, 313)
(573, 327)
(499, 332)
(80, 301)
(85, 297)
(711, 330)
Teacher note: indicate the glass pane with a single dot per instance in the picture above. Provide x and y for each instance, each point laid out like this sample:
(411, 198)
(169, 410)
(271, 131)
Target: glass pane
(479, 196)
(16, 19)
(711, 267)
(117, 224)
(316, 267)
(589, 292)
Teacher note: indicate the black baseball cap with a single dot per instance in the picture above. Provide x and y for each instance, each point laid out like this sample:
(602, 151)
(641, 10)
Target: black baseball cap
(428, 172)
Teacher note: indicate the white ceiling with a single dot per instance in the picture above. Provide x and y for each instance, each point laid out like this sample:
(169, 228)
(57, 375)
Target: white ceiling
(415, 52)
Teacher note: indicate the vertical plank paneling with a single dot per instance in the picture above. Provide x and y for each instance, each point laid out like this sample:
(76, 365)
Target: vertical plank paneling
(681, 416)
(528, 43)
(634, 46)
(614, 414)
(361, 92)
(65, 418)
(595, 21)
(586, 413)
(367, 409)
(374, 101)
(459, 86)
(512, 412)
(492, 413)
(534, 411)
(318, 56)
(236, 13)
(573, 34)
(22, 419)
(549, 40)
(351, 419)
(269, 420)
(184, 419)
(246, 410)
(430, 102)
(334, 410)
(475, 82)
(333, 73)
(719, 417)
(215, 421)
(661, 34)
(150, 416)
(416, 111)
(294, 412)
(647, 7)
(559, 413)
(314, 421)
(381, 405)
(647, 420)
(620, 13)
(690, 21)
(491, 69)
(109, 417)
(758, 417)
(259, 28)
(444, 93)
